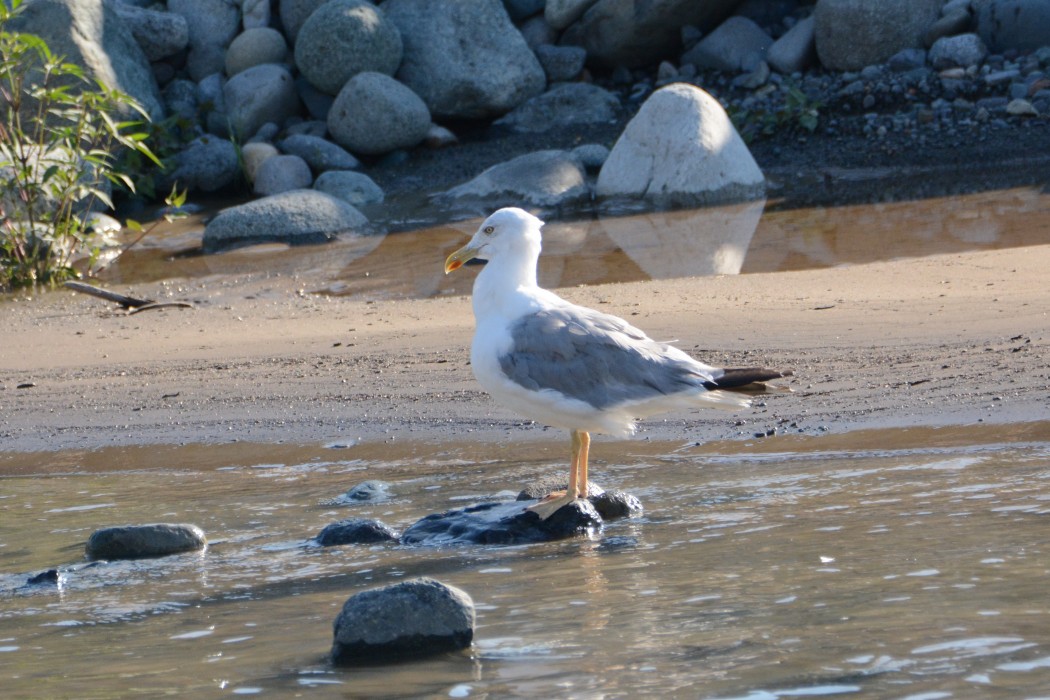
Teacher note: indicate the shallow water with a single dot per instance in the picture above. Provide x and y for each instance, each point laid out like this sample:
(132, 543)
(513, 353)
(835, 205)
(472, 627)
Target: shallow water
(905, 563)
(754, 237)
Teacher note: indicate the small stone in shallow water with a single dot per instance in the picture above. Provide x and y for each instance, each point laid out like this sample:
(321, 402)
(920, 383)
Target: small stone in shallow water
(355, 531)
(403, 621)
(616, 504)
(370, 491)
(139, 541)
(48, 577)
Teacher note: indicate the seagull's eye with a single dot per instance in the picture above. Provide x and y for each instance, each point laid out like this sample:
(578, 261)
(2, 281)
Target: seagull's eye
(488, 230)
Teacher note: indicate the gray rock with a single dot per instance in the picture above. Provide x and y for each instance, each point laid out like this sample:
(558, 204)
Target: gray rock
(561, 13)
(294, 13)
(561, 63)
(254, 154)
(159, 34)
(617, 504)
(537, 32)
(139, 541)
(440, 137)
(520, 9)
(343, 38)
(297, 217)
(180, 99)
(503, 523)
(730, 46)
(465, 60)
(258, 95)
(254, 47)
(541, 487)
(207, 164)
(310, 127)
(681, 148)
(355, 531)
(591, 156)
(402, 621)
(1021, 107)
(543, 178)
(964, 50)
(374, 114)
(209, 94)
(212, 25)
(615, 33)
(795, 50)
(568, 103)
(906, 60)
(1023, 25)
(355, 188)
(951, 23)
(317, 103)
(282, 174)
(852, 34)
(266, 133)
(92, 35)
(255, 14)
(319, 154)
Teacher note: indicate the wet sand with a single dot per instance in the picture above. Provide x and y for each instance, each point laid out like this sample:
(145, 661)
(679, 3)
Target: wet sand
(949, 340)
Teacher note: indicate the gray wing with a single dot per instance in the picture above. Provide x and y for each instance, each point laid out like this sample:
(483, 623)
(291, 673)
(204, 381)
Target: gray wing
(594, 357)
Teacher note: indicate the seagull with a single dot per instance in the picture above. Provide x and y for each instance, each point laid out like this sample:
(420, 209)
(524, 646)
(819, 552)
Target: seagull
(569, 366)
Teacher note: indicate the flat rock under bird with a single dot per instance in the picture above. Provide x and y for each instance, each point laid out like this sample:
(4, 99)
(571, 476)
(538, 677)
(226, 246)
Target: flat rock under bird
(569, 366)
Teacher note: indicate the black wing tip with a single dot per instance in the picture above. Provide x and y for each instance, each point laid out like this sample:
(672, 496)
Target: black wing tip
(733, 377)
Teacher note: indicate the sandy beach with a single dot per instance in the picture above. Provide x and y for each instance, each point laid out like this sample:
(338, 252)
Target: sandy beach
(949, 340)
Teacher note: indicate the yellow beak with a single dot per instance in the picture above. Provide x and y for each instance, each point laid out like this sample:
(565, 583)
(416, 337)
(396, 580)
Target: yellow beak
(461, 256)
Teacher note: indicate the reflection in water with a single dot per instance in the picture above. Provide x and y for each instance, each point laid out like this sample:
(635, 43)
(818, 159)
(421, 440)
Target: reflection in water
(695, 242)
(748, 238)
(786, 567)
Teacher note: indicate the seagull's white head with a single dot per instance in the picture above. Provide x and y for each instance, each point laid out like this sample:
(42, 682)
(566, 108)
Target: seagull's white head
(509, 231)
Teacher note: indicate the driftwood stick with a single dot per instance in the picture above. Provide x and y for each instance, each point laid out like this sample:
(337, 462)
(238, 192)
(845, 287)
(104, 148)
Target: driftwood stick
(132, 303)
(162, 305)
(125, 301)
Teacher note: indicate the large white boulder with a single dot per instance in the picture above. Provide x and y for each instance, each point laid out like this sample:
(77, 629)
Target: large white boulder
(681, 149)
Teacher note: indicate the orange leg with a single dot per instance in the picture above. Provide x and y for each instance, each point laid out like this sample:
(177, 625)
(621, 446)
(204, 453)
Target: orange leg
(581, 443)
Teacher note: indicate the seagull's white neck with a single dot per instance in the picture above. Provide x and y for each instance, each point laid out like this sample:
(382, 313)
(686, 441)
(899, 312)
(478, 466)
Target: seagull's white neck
(506, 279)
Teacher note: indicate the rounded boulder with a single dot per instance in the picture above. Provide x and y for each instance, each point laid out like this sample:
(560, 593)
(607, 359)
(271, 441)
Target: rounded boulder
(254, 47)
(343, 38)
(681, 149)
(374, 114)
(141, 541)
(410, 619)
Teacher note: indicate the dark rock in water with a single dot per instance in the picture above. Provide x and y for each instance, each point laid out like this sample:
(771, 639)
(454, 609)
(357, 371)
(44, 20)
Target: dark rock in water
(44, 578)
(138, 541)
(369, 491)
(616, 504)
(503, 523)
(609, 504)
(551, 483)
(355, 531)
(401, 622)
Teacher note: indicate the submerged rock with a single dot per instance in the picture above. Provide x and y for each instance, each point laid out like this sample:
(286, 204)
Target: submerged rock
(355, 531)
(503, 523)
(139, 541)
(406, 620)
(371, 491)
(543, 178)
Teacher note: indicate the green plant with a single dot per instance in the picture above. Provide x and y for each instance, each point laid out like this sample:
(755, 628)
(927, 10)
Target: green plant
(60, 133)
(790, 110)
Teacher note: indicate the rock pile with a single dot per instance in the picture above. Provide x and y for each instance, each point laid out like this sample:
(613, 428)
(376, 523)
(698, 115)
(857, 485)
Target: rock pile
(370, 82)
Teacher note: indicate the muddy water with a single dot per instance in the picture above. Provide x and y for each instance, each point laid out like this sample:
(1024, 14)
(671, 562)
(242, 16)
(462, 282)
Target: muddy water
(906, 563)
(754, 237)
